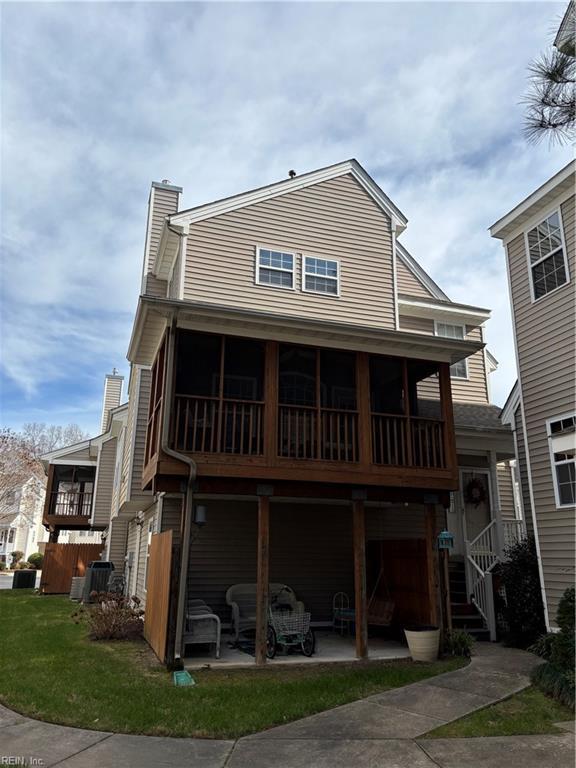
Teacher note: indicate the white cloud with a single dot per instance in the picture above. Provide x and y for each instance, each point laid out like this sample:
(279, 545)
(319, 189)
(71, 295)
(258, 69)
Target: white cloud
(98, 100)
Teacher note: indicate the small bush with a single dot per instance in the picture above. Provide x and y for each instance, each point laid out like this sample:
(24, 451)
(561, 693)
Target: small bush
(458, 643)
(556, 677)
(543, 646)
(523, 612)
(114, 617)
(36, 560)
(2, 565)
(16, 556)
(23, 565)
(565, 617)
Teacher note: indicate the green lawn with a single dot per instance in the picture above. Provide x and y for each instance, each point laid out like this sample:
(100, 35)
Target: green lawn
(50, 670)
(527, 712)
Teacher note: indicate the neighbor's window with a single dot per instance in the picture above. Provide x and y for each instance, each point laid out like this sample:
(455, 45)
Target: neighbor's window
(562, 438)
(547, 258)
(275, 268)
(321, 276)
(460, 369)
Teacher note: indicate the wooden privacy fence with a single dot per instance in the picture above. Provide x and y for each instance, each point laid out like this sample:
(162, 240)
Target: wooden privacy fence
(62, 562)
(158, 590)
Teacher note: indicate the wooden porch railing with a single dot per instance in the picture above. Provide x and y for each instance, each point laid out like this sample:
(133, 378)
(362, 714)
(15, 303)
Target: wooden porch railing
(70, 504)
(208, 425)
(305, 433)
(407, 441)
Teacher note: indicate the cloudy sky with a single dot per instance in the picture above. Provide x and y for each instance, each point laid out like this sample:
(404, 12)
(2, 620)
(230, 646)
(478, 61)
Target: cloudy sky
(100, 99)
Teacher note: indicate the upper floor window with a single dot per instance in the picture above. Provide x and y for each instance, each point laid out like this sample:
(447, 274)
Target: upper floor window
(275, 268)
(460, 369)
(321, 276)
(547, 256)
(562, 439)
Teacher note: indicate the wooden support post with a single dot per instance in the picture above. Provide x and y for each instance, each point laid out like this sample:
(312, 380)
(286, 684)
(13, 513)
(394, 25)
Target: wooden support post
(364, 409)
(450, 457)
(262, 578)
(432, 570)
(447, 600)
(359, 538)
(271, 402)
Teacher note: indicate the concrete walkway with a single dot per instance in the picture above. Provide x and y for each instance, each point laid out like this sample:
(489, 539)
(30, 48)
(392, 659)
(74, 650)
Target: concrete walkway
(381, 731)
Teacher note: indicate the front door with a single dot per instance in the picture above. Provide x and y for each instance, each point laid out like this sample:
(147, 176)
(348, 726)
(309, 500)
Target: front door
(475, 489)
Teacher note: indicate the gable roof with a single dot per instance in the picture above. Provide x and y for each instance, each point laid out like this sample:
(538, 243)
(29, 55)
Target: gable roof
(419, 273)
(167, 247)
(561, 183)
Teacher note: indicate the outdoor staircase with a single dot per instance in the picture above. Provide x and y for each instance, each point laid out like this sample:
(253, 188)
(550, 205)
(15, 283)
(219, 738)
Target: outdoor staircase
(465, 615)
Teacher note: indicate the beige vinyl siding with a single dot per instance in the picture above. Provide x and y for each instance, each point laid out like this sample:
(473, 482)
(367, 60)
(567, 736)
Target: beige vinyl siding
(142, 554)
(407, 282)
(171, 515)
(132, 547)
(506, 491)
(112, 395)
(144, 376)
(334, 219)
(164, 202)
(474, 389)
(545, 342)
(82, 456)
(117, 535)
(416, 324)
(104, 482)
(124, 495)
(522, 471)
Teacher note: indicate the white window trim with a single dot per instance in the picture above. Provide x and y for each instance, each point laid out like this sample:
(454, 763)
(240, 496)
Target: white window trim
(276, 269)
(459, 325)
(541, 220)
(553, 463)
(304, 273)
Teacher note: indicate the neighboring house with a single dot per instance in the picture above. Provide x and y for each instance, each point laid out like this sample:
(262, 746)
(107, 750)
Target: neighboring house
(295, 371)
(21, 526)
(539, 239)
(566, 36)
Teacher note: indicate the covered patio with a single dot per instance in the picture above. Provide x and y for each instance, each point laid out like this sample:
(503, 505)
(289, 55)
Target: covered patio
(371, 553)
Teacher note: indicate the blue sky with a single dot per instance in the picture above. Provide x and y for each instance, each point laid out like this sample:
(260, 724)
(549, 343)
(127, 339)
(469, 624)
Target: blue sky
(98, 100)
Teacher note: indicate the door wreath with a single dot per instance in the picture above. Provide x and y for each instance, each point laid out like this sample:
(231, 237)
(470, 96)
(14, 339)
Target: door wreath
(475, 492)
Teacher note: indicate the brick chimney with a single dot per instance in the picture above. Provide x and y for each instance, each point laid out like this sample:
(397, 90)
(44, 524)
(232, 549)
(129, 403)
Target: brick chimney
(112, 394)
(163, 201)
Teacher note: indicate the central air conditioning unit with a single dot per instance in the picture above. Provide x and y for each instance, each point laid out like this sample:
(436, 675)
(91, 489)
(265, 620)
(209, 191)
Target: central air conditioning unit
(97, 577)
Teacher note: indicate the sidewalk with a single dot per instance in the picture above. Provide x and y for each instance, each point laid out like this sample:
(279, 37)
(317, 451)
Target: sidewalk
(380, 731)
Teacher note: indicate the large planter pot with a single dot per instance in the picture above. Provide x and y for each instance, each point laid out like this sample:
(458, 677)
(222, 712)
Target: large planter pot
(423, 642)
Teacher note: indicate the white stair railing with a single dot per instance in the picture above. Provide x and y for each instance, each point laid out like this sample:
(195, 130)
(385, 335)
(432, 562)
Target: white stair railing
(512, 532)
(481, 557)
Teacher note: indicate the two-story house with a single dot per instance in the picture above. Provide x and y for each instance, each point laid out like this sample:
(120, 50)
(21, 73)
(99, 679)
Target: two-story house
(301, 385)
(538, 236)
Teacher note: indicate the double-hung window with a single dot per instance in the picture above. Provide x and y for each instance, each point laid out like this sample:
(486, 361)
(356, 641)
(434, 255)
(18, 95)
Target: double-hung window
(275, 268)
(547, 257)
(562, 439)
(321, 276)
(460, 369)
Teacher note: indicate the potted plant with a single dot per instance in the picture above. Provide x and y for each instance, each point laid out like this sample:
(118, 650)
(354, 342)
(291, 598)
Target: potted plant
(423, 642)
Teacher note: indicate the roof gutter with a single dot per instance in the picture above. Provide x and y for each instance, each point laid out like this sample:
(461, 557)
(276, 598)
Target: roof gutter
(186, 524)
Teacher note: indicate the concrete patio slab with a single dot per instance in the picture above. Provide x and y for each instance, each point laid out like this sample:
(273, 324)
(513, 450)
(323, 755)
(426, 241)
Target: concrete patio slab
(498, 751)
(359, 720)
(328, 753)
(49, 743)
(429, 699)
(152, 752)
